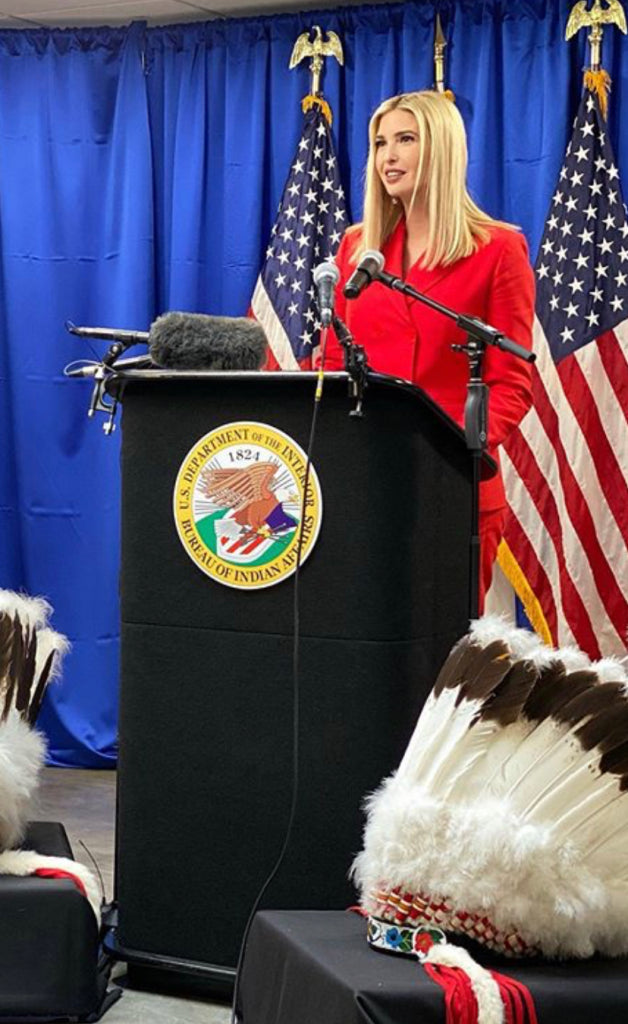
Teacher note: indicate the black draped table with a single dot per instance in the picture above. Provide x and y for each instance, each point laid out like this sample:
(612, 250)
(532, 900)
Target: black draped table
(315, 967)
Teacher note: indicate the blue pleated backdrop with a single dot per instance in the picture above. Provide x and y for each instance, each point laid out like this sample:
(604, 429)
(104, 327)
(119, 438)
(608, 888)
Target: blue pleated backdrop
(140, 170)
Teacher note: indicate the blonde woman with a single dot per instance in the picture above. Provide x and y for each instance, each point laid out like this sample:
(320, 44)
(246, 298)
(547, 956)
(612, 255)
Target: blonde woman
(419, 214)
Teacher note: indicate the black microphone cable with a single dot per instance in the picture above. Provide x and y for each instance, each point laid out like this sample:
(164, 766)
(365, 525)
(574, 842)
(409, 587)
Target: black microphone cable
(296, 637)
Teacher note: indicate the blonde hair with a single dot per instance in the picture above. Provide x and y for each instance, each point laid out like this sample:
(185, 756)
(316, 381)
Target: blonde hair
(457, 227)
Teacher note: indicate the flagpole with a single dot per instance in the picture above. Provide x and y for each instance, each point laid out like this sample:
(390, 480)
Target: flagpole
(309, 224)
(440, 45)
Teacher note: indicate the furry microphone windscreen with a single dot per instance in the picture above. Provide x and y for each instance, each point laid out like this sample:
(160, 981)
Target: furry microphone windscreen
(195, 341)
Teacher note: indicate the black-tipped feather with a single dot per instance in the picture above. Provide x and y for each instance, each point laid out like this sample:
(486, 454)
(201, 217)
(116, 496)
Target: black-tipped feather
(25, 681)
(616, 761)
(457, 665)
(6, 648)
(16, 667)
(505, 704)
(487, 672)
(554, 688)
(593, 700)
(40, 689)
(606, 730)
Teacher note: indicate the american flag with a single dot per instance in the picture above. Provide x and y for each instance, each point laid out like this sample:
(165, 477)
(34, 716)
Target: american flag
(566, 467)
(310, 222)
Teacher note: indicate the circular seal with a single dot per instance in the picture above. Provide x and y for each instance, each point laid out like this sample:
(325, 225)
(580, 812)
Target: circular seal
(238, 499)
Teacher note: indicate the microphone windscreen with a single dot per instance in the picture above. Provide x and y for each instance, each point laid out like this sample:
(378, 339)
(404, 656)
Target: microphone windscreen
(196, 341)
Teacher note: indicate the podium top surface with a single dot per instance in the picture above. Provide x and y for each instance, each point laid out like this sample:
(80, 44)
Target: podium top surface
(139, 371)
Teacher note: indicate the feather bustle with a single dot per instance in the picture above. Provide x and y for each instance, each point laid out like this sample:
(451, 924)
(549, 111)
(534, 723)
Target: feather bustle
(519, 786)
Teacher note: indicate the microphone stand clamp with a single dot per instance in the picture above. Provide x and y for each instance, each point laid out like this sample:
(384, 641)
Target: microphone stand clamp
(476, 405)
(98, 403)
(356, 365)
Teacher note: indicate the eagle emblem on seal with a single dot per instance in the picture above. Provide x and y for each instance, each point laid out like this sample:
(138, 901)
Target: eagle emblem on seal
(255, 509)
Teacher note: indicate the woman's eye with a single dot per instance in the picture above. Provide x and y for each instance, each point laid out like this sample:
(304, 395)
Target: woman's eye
(407, 138)
(379, 143)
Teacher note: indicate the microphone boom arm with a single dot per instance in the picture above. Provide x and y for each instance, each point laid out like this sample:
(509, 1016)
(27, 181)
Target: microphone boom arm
(472, 325)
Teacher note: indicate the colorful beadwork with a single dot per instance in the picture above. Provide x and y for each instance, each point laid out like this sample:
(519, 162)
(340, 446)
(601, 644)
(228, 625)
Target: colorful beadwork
(415, 941)
(400, 911)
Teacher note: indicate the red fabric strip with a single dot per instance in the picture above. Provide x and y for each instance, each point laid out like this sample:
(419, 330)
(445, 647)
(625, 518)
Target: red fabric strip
(508, 1000)
(59, 873)
(520, 994)
(460, 1003)
(510, 993)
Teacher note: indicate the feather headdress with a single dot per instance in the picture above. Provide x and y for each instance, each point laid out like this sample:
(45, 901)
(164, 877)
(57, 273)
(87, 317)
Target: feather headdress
(507, 819)
(30, 655)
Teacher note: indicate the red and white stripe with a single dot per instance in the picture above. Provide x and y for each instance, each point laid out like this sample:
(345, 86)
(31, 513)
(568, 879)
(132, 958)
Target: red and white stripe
(281, 353)
(566, 476)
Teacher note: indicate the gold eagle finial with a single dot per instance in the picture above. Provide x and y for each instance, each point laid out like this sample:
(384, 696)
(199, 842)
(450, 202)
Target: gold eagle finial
(595, 19)
(317, 49)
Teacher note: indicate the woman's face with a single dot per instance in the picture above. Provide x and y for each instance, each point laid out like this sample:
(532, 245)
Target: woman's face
(397, 150)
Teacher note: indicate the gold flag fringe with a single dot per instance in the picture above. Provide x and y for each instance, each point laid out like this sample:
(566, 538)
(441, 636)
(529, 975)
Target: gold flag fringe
(517, 579)
(317, 101)
(450, 95)
(599, 82)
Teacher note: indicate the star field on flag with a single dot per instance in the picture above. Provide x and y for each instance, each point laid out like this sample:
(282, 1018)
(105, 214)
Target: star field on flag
(311, 220)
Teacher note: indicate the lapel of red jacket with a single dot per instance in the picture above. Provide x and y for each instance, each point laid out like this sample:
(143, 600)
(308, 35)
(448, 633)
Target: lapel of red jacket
(421, 279)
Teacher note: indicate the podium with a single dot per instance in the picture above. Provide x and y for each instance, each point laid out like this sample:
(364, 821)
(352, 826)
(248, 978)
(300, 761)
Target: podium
(206, 689)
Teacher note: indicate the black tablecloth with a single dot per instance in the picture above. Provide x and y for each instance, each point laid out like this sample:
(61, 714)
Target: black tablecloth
(315, 967)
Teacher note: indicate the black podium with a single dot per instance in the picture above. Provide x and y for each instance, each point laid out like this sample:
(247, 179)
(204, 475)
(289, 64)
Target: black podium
(206, 701)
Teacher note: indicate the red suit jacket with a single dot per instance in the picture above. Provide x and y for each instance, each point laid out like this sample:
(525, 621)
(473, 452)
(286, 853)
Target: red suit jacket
(404, 338)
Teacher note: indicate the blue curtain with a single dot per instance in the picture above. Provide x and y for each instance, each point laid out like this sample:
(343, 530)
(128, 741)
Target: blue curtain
(76, 223)
(140, 170)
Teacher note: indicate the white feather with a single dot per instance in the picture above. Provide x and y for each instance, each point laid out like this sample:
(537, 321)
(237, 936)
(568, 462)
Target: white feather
(22, 753)
(33, 611)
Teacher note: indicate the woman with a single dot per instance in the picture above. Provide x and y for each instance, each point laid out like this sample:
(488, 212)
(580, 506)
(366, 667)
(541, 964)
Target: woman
(418, 213)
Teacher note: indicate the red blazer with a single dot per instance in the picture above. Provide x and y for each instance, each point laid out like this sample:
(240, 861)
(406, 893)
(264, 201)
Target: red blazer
(406, 339)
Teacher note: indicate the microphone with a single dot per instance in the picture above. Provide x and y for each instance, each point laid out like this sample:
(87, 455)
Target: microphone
(127, 338)
(326, 276)
(188, 341)
(366, 271)
(196, 341)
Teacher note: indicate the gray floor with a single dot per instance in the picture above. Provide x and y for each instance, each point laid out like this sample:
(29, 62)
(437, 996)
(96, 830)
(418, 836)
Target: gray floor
(85, 802)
